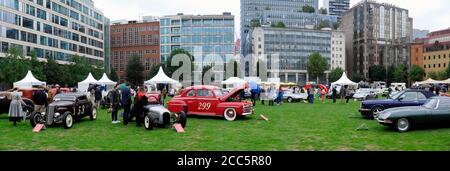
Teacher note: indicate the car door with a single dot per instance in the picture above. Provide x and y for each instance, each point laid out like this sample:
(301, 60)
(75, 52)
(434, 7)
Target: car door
(441, 113)
(421, 98)
(407, 99)
(207, 102)
(81, 106)
(190, 101)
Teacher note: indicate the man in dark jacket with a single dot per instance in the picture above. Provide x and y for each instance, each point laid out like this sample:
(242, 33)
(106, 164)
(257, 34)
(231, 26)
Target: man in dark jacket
(126, 103)
(334, 94)
(40, 100)
(98, 96)
(115, 103)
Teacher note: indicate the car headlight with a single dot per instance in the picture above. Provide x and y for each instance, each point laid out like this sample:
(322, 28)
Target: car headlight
(57, 114)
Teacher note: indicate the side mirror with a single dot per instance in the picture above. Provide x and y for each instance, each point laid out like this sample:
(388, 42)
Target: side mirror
(400, 99)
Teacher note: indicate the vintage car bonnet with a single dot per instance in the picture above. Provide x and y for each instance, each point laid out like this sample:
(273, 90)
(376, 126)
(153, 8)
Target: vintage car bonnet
(234, 92)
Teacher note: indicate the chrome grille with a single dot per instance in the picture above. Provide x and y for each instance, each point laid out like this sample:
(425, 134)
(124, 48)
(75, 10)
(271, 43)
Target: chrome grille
(50, 114)
(247, 109)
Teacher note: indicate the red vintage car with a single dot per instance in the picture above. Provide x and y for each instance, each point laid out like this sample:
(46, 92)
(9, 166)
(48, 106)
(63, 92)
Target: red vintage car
(210, 100)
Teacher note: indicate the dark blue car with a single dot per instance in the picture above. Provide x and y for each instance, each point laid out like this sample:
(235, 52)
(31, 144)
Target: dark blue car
(410, 97)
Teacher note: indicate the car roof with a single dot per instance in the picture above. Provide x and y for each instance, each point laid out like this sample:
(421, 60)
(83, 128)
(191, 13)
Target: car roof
(199, 87)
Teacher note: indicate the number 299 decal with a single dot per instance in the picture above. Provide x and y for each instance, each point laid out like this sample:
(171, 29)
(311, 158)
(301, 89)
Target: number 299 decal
(204, 106)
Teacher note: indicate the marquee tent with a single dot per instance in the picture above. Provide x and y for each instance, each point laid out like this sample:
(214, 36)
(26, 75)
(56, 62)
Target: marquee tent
(29, 81)
(162, 78)
(84, 85)
(344, 81)
(106, 81)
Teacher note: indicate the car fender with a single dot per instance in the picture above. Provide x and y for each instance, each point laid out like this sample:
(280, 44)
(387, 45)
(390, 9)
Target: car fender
(238, 106)
(176, 106)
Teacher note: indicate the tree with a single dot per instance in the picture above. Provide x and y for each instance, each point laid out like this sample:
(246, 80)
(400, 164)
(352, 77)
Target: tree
(390, 74)
(135, 71)
(308, 9)
(322, 24)
(53, 72)
(399, 73)
(323, 11)
(37, 67)
(113, 75)
(169, 69)
(336, 25)
(204, 70)
(416, 73)
(448, 71)
(377, 73)
(335, 74)
(317, 65)
(357, 77)
(278, 25)
(14, 66)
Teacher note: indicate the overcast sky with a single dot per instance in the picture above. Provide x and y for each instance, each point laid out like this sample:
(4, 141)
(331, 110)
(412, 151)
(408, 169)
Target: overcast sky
(428, 14)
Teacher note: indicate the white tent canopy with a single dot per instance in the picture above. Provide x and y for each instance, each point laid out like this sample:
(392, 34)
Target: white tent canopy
(84, 85)
(233, 80)
(105, 80)
(431, 81)
(343, 81)
(29, 81)
(162, 78)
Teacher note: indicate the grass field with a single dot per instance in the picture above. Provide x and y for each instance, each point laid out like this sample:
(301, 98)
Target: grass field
(292, 127)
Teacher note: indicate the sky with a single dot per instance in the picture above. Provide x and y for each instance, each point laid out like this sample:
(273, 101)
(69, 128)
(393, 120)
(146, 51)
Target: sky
(427, 14)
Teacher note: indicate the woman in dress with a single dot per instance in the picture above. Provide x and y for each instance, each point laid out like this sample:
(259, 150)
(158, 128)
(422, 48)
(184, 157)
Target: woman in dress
(16, 113)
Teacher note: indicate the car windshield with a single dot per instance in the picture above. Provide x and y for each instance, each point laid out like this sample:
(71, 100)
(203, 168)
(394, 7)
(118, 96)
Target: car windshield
(431, 104)
(396, 95)
(65, 98)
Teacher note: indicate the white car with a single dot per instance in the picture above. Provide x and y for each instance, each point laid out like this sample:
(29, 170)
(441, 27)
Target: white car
(294, 97)
(365, 94)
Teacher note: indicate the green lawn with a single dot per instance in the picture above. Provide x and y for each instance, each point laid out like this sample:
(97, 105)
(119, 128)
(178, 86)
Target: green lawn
(299, 126)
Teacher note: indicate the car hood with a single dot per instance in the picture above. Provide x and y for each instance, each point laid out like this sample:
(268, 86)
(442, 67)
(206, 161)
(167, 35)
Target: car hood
(62, 103)
(234, 92)
(378, 101)
(157, 108)
(410, 110)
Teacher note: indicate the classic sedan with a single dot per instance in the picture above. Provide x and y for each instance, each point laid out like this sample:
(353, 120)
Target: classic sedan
(410, 97)
(5, 101)
(294, 97)
(435, 110)
(365, 94)
(210, 100)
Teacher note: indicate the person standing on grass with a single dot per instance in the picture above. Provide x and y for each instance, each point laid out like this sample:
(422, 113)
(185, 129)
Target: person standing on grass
(334, 94)
(16, 113)
(40, 100)
(98, 96)
(140, 102)
(271, 95)
(126, 103)
(280, 96)
(311, 94)
(342, 93)
(323, 92)
(115, 103)
(347, 94)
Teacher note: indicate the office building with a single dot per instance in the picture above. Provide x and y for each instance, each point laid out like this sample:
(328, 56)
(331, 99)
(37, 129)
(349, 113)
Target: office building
(376, 34)
(135, 38)
(55, 29)
(338, 50)
(293, 47)
(336, 7)
(198, 34)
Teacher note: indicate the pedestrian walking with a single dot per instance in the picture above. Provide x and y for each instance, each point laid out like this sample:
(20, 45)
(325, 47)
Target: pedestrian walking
(16, 113)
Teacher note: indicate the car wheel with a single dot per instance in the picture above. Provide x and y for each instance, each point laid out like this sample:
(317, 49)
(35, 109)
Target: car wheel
(403, 125)
(68, 120)
(290, 99)
(230, 114)
(27, 111)
(93, 115)
(376, 111)
(35, 119)
(182, 119)
(148, 123)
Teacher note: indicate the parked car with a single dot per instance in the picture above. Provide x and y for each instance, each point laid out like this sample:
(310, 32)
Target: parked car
(290, 97)
(434, 111)
(409, 97)
(5, 101)
(210, 100)
(365, 94)
(156, 115)
(65, 109)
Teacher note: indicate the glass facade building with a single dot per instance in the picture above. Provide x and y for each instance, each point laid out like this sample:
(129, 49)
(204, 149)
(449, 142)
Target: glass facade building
(293, 46)
(55, 29)
(336, 7)
(255, 13)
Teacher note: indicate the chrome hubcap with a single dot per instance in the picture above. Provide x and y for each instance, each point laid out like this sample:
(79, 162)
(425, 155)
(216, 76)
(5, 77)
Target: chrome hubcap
(94, 113)
(147, 122)
(403, 124)
(69, 120)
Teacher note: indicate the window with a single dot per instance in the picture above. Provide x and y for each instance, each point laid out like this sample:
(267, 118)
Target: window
(41, 14)
(28, 23)
(421, 96)
(153, 51)
(409, 96)
(191, 93)
(204, 93)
